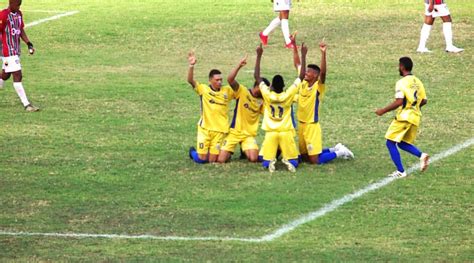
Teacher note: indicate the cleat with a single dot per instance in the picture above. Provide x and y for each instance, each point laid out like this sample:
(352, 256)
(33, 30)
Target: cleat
(423, 50)
(191, 149)
(346, 153)
(454, 49)
(263, 38)
(424, 161)
(31, 108)
(338, 146)
(271, 166)
(398, 174)
(290, 45)
(289, 166)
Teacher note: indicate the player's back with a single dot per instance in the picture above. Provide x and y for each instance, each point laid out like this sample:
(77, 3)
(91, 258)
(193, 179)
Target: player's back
(412, 91)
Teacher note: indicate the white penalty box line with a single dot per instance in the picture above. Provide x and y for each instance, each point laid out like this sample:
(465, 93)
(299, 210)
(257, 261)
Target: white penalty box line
(55, 17)
(275, 234)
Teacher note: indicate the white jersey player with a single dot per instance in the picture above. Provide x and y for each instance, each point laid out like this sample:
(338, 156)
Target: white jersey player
(283, 8)
(433, 9)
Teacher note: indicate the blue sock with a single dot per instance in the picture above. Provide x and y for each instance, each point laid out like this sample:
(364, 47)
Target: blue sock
(265, 164)
(409, 148)
(260, 158)
(196, 159)
(300, 158)
(326, 150)
(395, 155)
(326, 157)
(294, 162)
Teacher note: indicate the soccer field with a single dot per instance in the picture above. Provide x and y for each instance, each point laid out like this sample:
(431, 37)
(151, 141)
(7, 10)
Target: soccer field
(108, 152)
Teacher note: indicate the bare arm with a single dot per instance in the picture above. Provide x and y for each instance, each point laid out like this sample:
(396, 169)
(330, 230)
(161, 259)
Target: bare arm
(233, 74)
(296, 56)
(423, 102)
(397, 103)
(322, 74)
(27, 41)
(192, 61)
(256, 73)
(304, 51)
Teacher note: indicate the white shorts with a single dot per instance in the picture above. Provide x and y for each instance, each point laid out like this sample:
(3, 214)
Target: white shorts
(11, 64)
(438, 10)
(281, 5)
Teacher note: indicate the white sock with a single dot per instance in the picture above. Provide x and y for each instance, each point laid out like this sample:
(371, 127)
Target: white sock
(2, 83)
(21, 93)
(332, 149)
(448, 34)
(424, 35)
(274, 24)
(286, 30)
(339, 153)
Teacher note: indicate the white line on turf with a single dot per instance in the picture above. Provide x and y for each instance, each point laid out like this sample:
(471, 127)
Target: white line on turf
(275, 234)
(37, 22)
(42, 11)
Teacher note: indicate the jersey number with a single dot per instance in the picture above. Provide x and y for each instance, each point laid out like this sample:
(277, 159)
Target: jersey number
(280, 112)
(416, 98)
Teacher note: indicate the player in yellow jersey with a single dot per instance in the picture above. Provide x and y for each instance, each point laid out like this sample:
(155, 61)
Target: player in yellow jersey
(214, 123)
(244, 125)
(410, 96)
(310, 97)
(278, 122)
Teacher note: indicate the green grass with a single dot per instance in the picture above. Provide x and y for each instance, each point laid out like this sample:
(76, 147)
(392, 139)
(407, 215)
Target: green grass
(108, 151)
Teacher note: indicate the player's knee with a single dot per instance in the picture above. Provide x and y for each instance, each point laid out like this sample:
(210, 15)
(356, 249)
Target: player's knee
(253, 158)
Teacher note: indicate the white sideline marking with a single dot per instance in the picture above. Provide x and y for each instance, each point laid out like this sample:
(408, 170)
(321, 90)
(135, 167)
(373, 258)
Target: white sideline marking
(42, 11)
(275, 234)
(37, 22)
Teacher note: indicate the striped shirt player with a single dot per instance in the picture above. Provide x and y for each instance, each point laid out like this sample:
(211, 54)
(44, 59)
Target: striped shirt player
(12, 30)
(410, 96)
(434, 9)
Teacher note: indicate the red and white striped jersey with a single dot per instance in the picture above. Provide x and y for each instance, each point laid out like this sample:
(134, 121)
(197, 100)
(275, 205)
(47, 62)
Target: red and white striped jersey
(11, 25)
(436, 2)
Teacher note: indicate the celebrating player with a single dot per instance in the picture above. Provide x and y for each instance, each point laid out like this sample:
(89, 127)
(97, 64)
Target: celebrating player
(12, 29)
(434, 9)
(278, 122)
(283, 8)
(410, 96)
(213, 125)
(244, 125)
(311, 93)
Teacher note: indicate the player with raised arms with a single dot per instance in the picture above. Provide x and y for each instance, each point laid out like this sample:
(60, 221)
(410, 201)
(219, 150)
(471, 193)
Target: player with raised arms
(214, 122)
(410, 96)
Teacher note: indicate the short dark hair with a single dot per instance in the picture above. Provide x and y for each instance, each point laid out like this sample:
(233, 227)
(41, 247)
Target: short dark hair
(278, 83)
(214, 72)
(315, 67)
(406, 62)
(264, 80)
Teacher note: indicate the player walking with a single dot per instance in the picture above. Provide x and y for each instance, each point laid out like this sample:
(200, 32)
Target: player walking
(283, 8)
(434, 9)
(213, 125)
(12, 29)
(410, 96)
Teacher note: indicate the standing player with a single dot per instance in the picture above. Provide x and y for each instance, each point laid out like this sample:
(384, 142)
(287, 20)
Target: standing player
(311, 93)
(12, 29)
(434, 9)
(244, 125)
(278, 122)
(410, 96)
(283, 8)
(214, 124)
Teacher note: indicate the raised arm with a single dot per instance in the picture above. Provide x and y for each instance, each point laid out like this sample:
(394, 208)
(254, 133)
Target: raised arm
(233, 74)
(390, 107)
(304, 51)
(192, 61)
(296, 56)
(257, 64)
(322, 74)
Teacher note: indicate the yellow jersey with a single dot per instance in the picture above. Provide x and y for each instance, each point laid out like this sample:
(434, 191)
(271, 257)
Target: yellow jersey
(278, 110)
(247, 112)
(411, 90)
(214, 107)
(309, 101)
